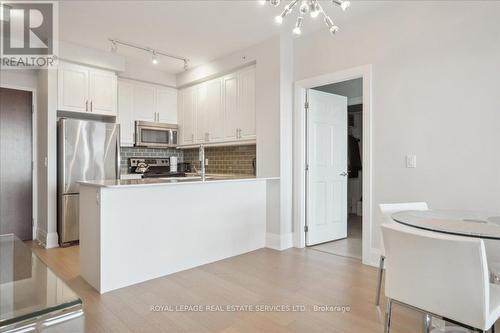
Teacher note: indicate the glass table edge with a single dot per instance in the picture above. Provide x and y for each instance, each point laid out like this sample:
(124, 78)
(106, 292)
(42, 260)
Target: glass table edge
(35, 314)
(443, 231)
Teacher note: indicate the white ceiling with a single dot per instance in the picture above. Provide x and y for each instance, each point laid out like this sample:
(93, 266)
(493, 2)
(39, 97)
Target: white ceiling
(199, 30)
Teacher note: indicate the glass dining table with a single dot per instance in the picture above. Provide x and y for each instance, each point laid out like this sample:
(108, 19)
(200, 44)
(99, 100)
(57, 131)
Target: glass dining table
(32, 297)
(461, 223)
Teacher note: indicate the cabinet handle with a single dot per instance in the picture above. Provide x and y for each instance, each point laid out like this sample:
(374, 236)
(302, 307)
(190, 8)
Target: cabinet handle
(91, 106)
(86, 106)
(192, 137)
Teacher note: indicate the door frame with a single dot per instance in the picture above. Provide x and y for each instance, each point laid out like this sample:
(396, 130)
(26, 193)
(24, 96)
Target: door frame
(370, 255)
(34, 152)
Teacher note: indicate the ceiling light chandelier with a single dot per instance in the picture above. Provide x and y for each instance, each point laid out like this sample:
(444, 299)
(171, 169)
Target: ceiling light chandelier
(311, 7)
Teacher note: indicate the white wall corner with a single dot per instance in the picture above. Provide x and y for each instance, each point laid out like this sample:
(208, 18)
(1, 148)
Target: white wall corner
(373, 257)
(279, 242)
(47, 240)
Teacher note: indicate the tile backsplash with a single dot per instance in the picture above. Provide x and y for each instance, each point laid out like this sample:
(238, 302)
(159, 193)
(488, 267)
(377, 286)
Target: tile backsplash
(222, 160)
(127, 152)
(225, 160)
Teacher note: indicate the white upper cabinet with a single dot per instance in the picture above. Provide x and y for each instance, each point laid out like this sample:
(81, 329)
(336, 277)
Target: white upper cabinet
(85, 89)
(230, 105)
(126, 112)
(73, 88)
(246, 104)
(187, 108)
(215, 111)
(103, 96)
(201, 131)
(145, 102)
(166, 105)
(219, 110)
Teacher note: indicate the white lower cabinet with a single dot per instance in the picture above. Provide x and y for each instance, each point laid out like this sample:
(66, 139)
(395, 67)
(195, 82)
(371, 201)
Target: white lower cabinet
(145, 102)
(219, 110)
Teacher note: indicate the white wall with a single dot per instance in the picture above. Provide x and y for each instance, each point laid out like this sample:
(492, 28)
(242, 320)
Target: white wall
(19, 78)
(436, 87)
(140, 73)
(47, 158)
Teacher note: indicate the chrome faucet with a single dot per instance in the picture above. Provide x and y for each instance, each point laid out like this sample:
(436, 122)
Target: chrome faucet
(202, 162)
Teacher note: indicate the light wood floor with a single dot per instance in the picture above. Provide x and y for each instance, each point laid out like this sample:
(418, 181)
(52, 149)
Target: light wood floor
(348, 247)
(263, 277)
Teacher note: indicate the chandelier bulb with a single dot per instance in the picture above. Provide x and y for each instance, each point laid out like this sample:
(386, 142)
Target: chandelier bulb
(304, 7)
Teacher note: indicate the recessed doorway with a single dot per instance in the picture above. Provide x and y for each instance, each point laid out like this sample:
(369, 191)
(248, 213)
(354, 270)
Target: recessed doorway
(16, 164)
(302, 211)
(334, 172)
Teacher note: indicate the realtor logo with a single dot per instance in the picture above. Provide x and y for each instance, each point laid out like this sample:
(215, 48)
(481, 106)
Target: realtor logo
(28, 34)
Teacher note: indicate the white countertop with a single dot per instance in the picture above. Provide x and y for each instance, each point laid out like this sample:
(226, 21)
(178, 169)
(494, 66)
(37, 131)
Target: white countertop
(172, 181)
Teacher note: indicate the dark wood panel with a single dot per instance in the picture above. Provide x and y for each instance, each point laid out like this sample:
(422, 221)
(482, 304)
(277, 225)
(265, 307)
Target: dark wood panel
(15, 163)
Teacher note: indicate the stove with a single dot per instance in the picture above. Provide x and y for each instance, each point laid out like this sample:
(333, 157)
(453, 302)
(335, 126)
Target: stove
(152, 167)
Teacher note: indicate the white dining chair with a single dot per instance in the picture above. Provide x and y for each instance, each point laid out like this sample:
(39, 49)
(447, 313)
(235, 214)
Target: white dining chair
(439, 274)
(387, 210)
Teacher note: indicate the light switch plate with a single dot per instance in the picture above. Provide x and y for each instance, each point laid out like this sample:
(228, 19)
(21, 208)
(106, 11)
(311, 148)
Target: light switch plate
(411, 161)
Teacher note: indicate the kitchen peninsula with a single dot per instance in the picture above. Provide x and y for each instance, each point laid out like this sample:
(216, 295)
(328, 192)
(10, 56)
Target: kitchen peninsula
(136, 230)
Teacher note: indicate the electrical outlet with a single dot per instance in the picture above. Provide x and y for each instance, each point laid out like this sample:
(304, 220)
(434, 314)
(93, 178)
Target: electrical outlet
(411, 161)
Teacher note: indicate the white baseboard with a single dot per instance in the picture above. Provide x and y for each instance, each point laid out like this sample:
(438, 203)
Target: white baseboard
(48, 240)
(279, 242)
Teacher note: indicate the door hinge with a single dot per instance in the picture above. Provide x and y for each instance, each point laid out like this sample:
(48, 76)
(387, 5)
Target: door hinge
(306, 105)
(307, 167)
(306, 228)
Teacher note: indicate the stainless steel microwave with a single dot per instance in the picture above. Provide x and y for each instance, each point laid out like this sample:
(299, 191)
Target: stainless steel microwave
(155, 135)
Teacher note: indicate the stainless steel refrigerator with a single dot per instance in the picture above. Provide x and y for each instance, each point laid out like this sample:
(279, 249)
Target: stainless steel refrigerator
(87, 150)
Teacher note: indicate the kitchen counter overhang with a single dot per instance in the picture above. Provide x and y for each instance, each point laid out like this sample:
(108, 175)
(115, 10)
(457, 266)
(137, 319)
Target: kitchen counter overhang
(136, 230)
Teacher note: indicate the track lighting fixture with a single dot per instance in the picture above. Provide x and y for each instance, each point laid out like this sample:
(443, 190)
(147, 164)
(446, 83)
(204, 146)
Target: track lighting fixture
(154, 52)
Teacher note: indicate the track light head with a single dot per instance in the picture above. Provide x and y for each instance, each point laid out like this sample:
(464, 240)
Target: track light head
(154, 59)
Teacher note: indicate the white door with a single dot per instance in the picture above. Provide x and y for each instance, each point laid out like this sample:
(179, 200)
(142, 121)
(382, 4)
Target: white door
(246, 101)
(126, 112)
(73, 88)
(144, 103)
(327, 161)
(103, 96)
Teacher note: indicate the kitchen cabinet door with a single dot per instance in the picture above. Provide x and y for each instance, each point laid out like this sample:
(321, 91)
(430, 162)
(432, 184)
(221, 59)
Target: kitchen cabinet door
(166, 105)
(144, 102)
(246, 103)
(73, 88)
(230, 101)
(188, 114)
(215, 110)
(103, 93)
(201, 132)
(126, 113)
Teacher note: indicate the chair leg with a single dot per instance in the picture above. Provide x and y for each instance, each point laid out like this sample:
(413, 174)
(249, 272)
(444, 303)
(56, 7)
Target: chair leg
(380, 276)
(427, 323)
(388, 314)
